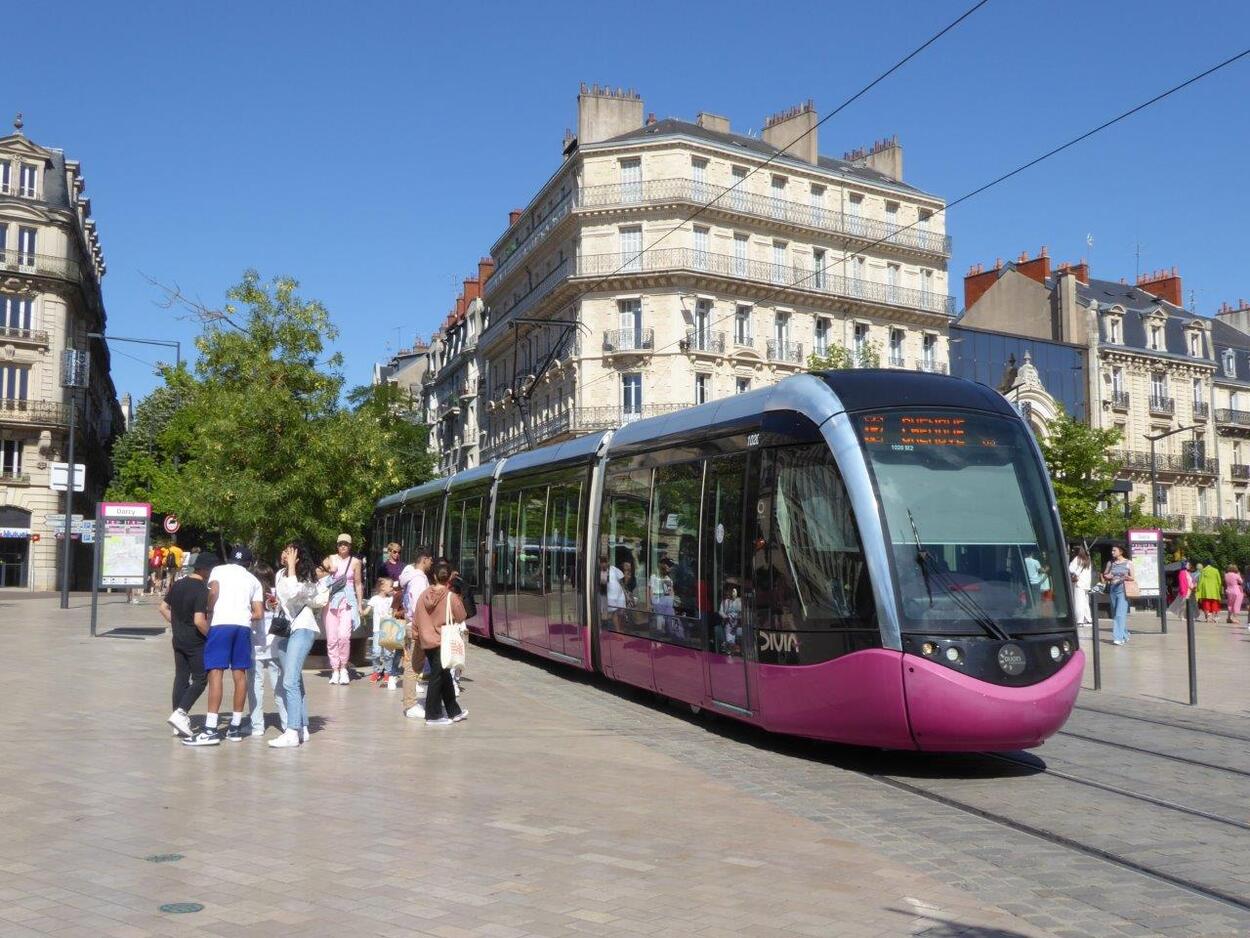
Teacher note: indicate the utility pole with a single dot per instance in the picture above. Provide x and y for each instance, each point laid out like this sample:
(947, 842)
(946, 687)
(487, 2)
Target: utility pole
(75, 368)
(1154, 509)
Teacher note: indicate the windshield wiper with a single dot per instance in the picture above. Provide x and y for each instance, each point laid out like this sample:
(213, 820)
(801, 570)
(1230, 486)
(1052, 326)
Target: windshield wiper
(967, 605)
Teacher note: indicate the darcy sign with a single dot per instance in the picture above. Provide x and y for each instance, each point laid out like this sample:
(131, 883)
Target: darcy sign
(124, 543)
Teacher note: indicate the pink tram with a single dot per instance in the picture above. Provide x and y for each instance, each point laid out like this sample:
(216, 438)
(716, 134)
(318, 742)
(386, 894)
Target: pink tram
(864, 557)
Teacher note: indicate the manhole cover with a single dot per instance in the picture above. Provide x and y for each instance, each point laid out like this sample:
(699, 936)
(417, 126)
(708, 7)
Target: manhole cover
(163, 857)
(178, 907)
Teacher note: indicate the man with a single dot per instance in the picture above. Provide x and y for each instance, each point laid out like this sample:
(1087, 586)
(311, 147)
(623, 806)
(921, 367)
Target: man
(185, 608)
(235, 598)
(414, 580)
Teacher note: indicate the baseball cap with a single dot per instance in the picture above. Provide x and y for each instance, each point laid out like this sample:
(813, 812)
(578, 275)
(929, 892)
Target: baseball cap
(343, 539)
(205, 561)
(242, 555)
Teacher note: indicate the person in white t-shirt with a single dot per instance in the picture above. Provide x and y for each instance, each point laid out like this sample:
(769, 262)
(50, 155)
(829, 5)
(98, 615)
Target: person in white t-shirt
(414, 581)
(264, 657)
(235, 598)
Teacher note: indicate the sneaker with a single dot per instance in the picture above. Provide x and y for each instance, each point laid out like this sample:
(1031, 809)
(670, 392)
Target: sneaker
(334, 677)
(375, 677)
(180, 722)
(205, 737)
(392, 683)
(258, 732)
(415, 712)
(462, 715)
(1117, 641)
(344, 677)
(303, 735)
(238, 733)
(288, 740)
(441, 721)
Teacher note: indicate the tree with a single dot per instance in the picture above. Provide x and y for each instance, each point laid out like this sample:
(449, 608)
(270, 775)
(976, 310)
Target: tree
(837, 358)
(267, 450)
(1082, 464)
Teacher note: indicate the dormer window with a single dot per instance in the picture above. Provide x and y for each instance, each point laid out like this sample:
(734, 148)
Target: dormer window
(1195, 343)
(1156, 338)
(28, 180)
(1113, 330)
(1230, 363)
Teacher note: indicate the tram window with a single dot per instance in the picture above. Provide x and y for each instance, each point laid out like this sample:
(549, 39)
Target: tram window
(452, 539)
(562, 519)
(722, 539)
(530, 539)
(470, 539)
(622, 555)
(673, 544)
(819, 578)
(505, 543)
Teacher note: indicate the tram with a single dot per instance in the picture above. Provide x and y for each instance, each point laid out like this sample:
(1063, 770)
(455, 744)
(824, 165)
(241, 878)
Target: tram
(866, 557)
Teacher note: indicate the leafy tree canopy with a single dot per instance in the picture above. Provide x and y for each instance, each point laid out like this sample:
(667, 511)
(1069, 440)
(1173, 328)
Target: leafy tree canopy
(837, 358)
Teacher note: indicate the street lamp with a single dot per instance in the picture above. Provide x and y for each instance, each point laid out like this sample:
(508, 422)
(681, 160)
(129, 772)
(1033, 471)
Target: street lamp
(1154, 505)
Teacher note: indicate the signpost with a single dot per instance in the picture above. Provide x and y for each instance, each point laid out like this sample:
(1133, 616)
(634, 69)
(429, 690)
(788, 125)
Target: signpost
(58, 479)
(171, 524)
(121, 548)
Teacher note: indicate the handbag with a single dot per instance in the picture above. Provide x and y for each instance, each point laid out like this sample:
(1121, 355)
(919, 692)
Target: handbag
(1131, 589)
(280, 626)
(339, 582)
(391, 634)
(452, 646)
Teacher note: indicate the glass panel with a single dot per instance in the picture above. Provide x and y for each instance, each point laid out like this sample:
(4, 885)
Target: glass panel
(505, 545)
(621, 550)
(722, 538)
(672, 582)
(471, 542)
(530, 540)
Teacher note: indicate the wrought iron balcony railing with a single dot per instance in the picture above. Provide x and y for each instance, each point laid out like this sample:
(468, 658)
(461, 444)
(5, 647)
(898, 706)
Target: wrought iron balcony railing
(40, 265)
(784, 351)
(28, 336)
(1120, 400)
(1184, 464)
(1162, 405)
(1201, 410)
(46, 413)
(744, 343)
(619, 341)
(1233, 418)
(608, 417)
(526, 245)
(1207, 522)
(702, 340)
(896, 361)
(7, 477)
(932, 367)
(468, 388)
(1172, 522)
(651, 192)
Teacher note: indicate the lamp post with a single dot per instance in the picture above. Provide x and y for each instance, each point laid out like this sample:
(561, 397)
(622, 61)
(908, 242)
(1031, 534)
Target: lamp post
(1154, 507)
(75, 370)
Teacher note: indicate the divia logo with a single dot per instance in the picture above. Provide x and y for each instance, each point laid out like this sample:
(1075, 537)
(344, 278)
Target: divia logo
(779, 642)
(1011, 660)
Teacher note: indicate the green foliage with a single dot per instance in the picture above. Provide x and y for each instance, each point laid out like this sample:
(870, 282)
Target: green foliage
(837, 358)
(1223, 546)
(1083, 465)
(267, 451)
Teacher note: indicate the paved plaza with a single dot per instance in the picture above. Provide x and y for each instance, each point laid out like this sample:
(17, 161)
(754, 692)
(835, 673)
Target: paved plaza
(563, 807)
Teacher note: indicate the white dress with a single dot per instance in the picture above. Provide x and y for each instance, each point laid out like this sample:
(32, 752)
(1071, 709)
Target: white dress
(1080, 590)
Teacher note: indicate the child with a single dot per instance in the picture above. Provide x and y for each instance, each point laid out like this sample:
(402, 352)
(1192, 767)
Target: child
(385, 660)
(264, 658)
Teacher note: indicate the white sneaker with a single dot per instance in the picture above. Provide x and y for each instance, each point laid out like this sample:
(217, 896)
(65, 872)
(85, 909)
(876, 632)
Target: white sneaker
(392, 683)
(287, 740)
(441, 721)
(334, 677)
(1118, 641)
(462, 715)
(303, 735)
(180, 722)
(344, 677)
(415, 712)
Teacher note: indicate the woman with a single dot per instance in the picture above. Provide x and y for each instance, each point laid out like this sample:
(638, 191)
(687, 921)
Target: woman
(1234, 591)
(1117, 573)
(431, 616)
(347, 598)
(296, 589)
(1081, 574)
(1209, 591)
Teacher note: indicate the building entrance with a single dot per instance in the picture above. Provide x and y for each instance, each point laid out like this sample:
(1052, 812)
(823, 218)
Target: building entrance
(14, 546)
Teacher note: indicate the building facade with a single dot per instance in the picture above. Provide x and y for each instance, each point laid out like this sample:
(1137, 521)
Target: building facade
(666, 263)
(1150, 367)
(50, 271)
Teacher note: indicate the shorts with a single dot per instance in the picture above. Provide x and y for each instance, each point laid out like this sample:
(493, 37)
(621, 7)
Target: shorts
(229, 647)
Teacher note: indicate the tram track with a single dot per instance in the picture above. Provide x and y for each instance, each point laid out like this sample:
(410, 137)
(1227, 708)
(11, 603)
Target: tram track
(1171, 757)
(1236, 737)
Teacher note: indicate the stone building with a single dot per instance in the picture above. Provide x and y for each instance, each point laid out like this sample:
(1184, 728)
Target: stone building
(1150, 367)
(406, 370)
(667, 262)
(50, 270)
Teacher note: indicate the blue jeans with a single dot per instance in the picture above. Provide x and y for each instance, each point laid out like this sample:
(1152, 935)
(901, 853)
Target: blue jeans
(256, 696)
(1119, 614)
(292, 652)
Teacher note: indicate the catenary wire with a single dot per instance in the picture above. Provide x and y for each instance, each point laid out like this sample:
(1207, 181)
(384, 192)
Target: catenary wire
(965, 197)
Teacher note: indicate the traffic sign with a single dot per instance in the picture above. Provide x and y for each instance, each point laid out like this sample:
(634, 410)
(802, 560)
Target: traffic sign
(58, 478)
(171, 524)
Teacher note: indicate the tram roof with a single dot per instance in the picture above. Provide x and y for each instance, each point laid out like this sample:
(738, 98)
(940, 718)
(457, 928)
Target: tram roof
(871, 388)
(426, 489)
(477, 474)
(580, 449)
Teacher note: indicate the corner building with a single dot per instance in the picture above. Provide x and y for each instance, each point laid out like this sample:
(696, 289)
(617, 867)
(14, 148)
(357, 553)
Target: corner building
(607, 305)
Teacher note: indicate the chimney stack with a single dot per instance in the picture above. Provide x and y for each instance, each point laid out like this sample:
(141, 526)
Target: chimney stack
(713, 122)
(472, 290)
(885, 156)
(603, 113)
(978, 281)
(782, 129)
(1037, 268)
(485, 267)
(513, 217)
(1165, 284)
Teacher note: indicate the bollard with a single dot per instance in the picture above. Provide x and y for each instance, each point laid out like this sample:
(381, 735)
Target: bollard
(1193, 657)
(1093, 627)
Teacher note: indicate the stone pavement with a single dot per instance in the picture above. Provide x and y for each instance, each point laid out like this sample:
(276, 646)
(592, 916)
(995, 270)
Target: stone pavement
(558, 808)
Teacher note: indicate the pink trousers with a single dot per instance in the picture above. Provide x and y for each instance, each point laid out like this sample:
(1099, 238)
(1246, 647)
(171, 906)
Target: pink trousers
(1234, 598)
(339, 636)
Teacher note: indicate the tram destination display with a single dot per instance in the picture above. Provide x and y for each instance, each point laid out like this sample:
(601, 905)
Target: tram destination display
(904, 431)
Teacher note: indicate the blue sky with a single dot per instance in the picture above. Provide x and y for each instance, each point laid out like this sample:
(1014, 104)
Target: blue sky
(373, 149)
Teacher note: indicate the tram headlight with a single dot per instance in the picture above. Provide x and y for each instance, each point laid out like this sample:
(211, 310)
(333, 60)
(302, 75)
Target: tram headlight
(928, 648)
(1067, 647)
(1055, 653)
(952, 654)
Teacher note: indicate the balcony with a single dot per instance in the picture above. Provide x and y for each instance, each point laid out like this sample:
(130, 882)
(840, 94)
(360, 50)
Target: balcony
(468, 389)
(587, 419)
(525, 247)
(33, 413)
(931, 367)
(790, 353)
(14, 478)
(1207, 523)
(1201, 410)
(1119, 400)
(23, 336)
(1232, 419)
(703, 342)
(896, 361)
(745, 343)
(40, 265)
(628, 341)
(1241, 472)
(1167, 463)
(1172, 522)
(689, 192)
(1162, 406)
(448, 409)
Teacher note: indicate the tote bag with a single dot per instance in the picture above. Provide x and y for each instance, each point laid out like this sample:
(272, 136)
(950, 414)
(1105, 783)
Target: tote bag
(451, 652)
(391, 634)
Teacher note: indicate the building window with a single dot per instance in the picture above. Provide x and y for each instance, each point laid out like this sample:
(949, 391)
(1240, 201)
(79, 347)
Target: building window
(744, 335)
(17, 312)
(1158, 386)
(781, 332)
(698, 171)
(702, 388)
(1117, 384)
(779, 196)
(738, 195)
(1230, 357)
(926, 285)
(891, 213)
(742, 385)
(1195, 344)
(779, 262)
(1113, 330)
(1233, 400)
(631, 249)
(701, 256)
(896, 347)
(818, 205)
(11, 458)
(631, 180)
(5, 169)
(926, 217)
(29, 180)
(741, 243)
(928, 351)
(703, 325)
(1202, 503)
(14, 382)
(1197, 383)
(1161, 499)
(818, 268)
(629, 323)
(822, 337)
(1156, 338)
(1236, 453)
(892, 273)
(860, 346)
(1239, 505)
(631, 396)
(26, 245)
(855, 205)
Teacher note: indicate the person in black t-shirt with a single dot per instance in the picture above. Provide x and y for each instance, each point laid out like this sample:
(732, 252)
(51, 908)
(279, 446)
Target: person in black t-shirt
(185, 608)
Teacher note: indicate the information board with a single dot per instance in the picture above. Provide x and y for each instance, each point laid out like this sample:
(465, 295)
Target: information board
(1144, 548)
(908, 431)
(124, 543)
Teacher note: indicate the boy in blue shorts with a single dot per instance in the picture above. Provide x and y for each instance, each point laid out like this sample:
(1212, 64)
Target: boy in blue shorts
(235, 598)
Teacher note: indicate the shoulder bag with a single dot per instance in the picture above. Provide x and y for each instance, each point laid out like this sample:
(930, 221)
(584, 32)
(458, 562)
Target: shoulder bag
(280, 625)
(452, 646)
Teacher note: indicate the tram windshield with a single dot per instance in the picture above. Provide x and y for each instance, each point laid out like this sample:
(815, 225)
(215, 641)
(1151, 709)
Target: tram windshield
(969, 521)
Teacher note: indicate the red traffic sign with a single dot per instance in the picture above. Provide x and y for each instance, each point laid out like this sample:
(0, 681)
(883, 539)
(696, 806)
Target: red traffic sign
(171, 524)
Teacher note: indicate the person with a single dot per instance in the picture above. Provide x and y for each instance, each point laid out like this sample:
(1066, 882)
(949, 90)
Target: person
(342, 616)
(185, 608)
(264, 661)
(1209, 591)
(1038, 574)
(385, 660)
(1234, 591)
(173, 563)
(431, 616)
(1081, 574)
(156, 563)
(629, 583)
(296, 588)
(235, 598)
(414, 582)
(731, 619)
(462, 589)
(1117, 573)
(660, 587)
(1185, 581)
(392, 566)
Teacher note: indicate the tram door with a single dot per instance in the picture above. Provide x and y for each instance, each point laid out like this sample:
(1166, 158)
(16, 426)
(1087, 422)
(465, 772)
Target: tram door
(563, 614)
(724, 526)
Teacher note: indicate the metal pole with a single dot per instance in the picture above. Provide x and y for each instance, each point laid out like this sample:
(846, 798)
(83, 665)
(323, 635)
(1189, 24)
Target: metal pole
(1097, 649)
(1154, 510)
(98, 524)
(66, 555)
(1193, 659)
